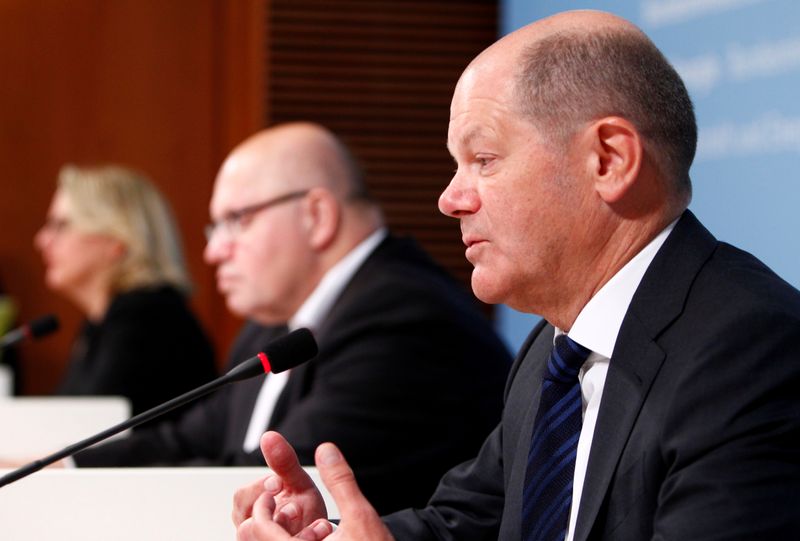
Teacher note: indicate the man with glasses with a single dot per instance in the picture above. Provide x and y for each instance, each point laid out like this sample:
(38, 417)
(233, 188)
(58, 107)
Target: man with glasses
(403, 351)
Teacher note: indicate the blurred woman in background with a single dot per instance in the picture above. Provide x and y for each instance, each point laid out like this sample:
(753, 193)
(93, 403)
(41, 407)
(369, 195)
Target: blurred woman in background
(111, 247)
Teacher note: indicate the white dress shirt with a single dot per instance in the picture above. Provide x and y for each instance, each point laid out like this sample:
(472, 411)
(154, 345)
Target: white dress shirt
(311, 314)
(596, 328)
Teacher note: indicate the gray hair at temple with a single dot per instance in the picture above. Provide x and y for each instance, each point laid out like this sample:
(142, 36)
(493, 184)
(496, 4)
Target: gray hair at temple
(124, 204)
(570, 78)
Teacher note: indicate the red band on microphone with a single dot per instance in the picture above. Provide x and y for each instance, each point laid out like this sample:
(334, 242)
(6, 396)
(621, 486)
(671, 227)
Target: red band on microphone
(265, 363)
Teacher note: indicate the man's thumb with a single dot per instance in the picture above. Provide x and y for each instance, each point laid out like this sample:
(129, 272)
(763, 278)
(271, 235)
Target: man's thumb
(338, 478)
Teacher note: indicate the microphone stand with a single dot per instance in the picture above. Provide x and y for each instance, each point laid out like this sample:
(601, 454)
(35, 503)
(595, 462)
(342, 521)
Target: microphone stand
(281, 354)
(247, 369)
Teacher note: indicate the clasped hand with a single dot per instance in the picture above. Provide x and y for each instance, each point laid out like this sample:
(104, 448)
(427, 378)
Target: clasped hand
(287, 505)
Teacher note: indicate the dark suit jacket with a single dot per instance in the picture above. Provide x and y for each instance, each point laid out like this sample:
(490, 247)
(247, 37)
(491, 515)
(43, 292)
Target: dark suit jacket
(408, 382)
(698, 430)
(149, 347)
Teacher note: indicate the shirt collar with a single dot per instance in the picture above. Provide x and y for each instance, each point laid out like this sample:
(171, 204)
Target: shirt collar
(313, 311)
(598, 323)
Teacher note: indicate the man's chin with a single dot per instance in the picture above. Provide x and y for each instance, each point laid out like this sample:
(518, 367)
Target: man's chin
(236, 308)
(485, 289)
(54, 283)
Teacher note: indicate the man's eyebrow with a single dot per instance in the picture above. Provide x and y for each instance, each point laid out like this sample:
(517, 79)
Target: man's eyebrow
(467, 138)
(471, 135)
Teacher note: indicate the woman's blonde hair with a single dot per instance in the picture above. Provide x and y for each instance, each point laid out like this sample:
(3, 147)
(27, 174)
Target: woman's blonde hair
(124, 204)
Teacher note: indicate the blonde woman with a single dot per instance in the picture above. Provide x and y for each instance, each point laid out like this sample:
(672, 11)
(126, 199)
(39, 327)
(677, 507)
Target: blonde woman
(110, 246)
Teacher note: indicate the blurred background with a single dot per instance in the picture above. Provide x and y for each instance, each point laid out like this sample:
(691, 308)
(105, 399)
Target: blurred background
(170, 86)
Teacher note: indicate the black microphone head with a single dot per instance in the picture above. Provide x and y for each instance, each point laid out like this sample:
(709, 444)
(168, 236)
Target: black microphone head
(291, 350)
(281, 354)
(43, 326)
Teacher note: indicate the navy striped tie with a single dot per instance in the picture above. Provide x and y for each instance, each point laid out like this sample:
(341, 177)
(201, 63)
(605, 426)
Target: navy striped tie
(551, 461)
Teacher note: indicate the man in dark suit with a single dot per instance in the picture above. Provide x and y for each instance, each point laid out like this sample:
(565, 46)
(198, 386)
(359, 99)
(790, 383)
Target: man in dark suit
(409, 376)
(677, 353)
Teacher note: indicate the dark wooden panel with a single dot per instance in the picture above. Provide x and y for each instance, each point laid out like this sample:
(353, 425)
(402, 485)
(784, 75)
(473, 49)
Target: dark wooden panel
(166, 87)
(381, 74)
(171, 87)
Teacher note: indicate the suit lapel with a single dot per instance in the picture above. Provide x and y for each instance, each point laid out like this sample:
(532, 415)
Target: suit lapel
(637, 358)
(633, 367)
(300, 377)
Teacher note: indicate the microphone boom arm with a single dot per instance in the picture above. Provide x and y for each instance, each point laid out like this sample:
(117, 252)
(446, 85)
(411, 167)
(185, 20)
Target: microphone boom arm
(281, 354)
(136, 420)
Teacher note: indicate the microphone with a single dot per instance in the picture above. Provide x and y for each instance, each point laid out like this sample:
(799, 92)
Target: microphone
(35, 329)
(282, 354)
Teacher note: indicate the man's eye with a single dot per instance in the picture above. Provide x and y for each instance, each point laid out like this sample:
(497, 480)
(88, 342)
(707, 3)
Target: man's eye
(240, 220)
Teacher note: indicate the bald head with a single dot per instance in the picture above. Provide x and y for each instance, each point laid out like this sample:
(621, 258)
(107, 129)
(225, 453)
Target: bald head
(579, 21)
(502, 58)
(288, 204)
(575, 67)
(296, 156)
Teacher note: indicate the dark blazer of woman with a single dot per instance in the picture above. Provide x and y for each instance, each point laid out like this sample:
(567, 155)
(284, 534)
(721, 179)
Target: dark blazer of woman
(149, 347)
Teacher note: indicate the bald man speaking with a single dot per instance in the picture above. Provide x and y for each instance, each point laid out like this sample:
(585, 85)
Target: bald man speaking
(660, 397)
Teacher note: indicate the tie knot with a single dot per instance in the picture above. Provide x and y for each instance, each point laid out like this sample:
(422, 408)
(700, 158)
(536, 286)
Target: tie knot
(566, 359)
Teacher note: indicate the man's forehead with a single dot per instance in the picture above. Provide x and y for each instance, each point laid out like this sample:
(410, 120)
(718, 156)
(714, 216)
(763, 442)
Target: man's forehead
(478, 112)
(236, 187)
(488, 84)
(483, 78)
(469, 134)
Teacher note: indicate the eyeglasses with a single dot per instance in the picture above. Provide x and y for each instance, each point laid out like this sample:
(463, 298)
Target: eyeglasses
(234, 221)
(55, 225)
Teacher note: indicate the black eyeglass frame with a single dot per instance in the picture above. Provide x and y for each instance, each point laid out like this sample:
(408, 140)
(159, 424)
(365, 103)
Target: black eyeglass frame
(233, 219)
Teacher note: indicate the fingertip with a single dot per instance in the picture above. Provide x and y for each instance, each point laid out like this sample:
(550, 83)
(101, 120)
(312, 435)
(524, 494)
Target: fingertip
(273, 484)
(338, 476)
(321, 528)
(316, 531)
(328, 455)
(270, 439)
(277, 451)
(243, 532)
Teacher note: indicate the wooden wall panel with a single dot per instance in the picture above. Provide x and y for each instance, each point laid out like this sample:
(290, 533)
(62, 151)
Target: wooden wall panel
(381, 74)
(166, 87)
(171, 87)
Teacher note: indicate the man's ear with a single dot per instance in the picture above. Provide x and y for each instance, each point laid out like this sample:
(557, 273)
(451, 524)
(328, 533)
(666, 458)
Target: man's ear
(615, 155)
(321, 217)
